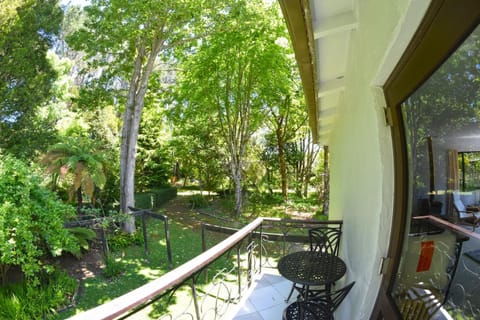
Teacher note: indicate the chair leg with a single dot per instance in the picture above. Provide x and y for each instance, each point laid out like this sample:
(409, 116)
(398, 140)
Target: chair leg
(290, 294)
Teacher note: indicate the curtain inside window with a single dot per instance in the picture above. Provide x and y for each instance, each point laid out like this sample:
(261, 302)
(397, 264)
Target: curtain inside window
(452, 180)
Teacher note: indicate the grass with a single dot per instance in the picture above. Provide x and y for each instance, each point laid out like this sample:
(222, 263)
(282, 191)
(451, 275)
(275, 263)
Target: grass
(25, 301)
(128, 267)
(271, 205)
(135, 267)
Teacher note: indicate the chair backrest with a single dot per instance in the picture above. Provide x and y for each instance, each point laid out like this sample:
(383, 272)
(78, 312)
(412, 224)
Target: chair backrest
(458, 203)
(338, 296)
(320, 307)
(325, 239)
(460, 206)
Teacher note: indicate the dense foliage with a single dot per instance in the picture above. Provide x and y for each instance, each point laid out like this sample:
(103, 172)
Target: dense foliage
(82, 161)
(26, 75)
(244, 68)
(23, 301)
(193, 84)
(31, 220)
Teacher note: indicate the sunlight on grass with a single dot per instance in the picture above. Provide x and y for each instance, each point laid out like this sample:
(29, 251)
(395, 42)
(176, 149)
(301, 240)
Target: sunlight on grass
(150, 273)
(191, 192)
(186, 243)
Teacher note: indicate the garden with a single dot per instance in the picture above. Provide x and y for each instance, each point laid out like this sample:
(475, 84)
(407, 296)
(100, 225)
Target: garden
(53, 283)
(102, 113)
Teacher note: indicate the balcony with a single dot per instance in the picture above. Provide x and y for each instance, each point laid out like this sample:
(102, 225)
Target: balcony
(266, 299)
(238, 277)
(235, 279)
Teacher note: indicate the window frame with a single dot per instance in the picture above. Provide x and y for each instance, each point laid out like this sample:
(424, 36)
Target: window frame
(445, 26)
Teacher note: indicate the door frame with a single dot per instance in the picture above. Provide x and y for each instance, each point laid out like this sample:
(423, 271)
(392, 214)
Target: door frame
(445, 26)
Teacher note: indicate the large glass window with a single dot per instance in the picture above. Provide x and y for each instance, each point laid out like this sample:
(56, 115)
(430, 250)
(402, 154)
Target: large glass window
(469, 169)
(439, 273)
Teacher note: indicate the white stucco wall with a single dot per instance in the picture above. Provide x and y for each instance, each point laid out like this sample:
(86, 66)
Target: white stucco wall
(361, 147)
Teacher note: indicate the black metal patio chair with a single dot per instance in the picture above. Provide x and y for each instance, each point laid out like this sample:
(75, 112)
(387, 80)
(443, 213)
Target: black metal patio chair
(322, 240)
(321, 307)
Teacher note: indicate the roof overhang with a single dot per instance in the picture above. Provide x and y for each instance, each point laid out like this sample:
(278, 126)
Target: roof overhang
(320, 34)
(298, 18)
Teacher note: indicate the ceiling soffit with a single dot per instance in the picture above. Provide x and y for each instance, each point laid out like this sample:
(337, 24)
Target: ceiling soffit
(320, 33)
(298, 18)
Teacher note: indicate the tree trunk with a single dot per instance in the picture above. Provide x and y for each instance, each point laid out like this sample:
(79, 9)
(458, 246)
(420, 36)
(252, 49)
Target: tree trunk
(326, 184)
(79, 200)
(234, 125)
(306, 182)
(185, 178)
(236, 170)
(311, 156)
(238, 195)
(131, 124)
(299, 173)
(283, 166)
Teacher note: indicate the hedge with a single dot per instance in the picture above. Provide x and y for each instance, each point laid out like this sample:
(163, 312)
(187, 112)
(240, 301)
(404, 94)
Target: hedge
(154, 198)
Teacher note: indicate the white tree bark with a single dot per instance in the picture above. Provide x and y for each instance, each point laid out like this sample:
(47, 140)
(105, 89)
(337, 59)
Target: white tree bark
(131, 124)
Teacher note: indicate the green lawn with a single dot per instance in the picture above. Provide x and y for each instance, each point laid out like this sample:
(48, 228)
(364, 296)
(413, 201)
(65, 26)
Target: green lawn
(128, 267)
(138, 268)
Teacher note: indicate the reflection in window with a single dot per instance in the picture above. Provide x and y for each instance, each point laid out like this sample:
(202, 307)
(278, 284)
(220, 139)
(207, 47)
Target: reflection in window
(469, 170)
(439, 273)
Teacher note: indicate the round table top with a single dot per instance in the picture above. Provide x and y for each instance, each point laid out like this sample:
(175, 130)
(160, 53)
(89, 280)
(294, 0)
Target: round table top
(311, 268)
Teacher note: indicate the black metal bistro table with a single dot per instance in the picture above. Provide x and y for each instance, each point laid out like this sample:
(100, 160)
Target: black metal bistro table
(310, 268)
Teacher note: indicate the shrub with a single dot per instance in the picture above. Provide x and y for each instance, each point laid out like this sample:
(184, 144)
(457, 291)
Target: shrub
(24, 301)
(320, 216)
(154, 198)
(198, 201)
(31, 220)
(163, 195)
(83, 236)
(266, 198)
(113, 267)
(120, 239)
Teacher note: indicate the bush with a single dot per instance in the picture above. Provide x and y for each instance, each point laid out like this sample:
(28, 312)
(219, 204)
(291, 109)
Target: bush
(198, 201)
(320, 216)
(113, 267)
(31, 220)
(24, 301)
(120, 240)
(83, 236)
(154, 198)
(266, 198)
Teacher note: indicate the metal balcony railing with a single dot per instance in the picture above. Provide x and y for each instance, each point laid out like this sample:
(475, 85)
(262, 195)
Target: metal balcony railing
(207, 286)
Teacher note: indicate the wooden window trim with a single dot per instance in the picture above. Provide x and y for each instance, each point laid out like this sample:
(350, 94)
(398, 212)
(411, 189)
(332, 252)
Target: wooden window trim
(445, 26)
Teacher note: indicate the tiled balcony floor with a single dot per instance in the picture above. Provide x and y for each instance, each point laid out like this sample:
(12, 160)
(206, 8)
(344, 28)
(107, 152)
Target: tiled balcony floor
(265, 299)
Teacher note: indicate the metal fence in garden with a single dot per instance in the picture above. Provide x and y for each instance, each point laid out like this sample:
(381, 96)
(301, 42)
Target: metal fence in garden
(211, 284)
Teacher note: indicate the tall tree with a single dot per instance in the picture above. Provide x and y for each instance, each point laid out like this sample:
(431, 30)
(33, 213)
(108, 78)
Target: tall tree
(444, 106)
(154, 166)
(26, 75)
(302, 155)
(285, 119)
(8, 13)
(230, 74)
(200, 153)
(125, 39)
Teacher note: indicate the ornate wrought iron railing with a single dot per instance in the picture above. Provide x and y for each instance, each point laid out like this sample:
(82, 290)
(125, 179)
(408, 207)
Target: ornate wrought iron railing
(189, 292)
